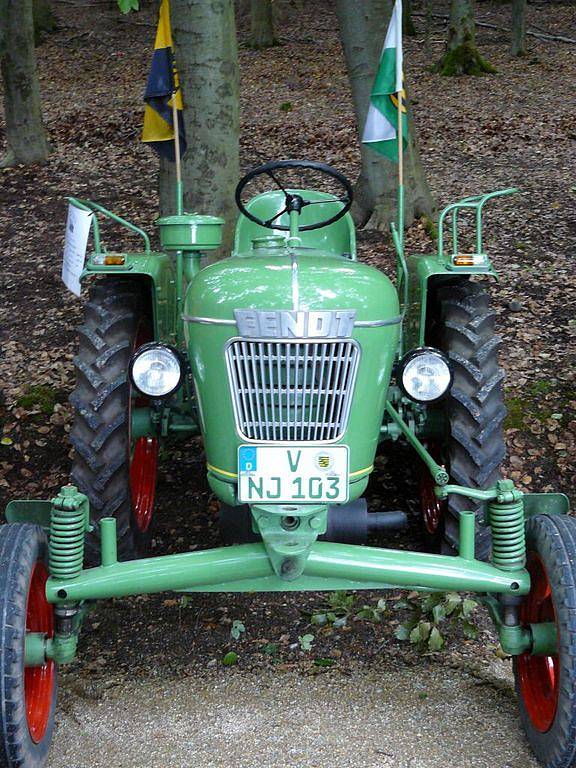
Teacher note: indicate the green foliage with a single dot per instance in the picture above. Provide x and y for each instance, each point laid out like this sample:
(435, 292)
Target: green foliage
(270, 649)
(324, 662)
(230, 659)
(305, 642)
(237, 629)
(40, 398)
(128, 5)
(286, 106)
(335, 611)
(431, 614)
(464, 60)
(340, 608)
(373, 613)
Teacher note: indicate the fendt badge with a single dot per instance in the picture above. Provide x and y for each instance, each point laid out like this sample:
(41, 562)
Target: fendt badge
(286, 324)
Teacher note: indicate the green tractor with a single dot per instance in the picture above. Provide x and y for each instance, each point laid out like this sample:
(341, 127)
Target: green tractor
(295, 363)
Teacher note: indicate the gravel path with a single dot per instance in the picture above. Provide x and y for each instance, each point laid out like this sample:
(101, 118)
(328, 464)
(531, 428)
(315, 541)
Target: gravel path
(396, 715)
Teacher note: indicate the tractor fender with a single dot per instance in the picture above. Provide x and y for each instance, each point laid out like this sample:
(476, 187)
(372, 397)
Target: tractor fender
(157, 272)
(425, 273)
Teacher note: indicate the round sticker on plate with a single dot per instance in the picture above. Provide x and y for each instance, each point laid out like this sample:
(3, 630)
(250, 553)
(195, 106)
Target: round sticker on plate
(324, 461)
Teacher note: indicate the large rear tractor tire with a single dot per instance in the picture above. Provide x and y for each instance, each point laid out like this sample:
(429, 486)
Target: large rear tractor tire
(27, 694)
(116, 473)
(472, 448)
(546, 685)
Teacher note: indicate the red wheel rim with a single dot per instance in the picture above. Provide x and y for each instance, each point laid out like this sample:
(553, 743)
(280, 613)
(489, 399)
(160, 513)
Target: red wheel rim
(539, 676)
(433, 510)
(144, 459)
(143, 468)
(39, 681)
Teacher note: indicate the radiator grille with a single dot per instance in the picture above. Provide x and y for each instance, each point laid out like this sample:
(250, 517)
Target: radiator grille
(292, 391)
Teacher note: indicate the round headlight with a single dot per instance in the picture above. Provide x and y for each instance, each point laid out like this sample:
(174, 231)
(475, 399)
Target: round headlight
(156, 370)
(425, 375)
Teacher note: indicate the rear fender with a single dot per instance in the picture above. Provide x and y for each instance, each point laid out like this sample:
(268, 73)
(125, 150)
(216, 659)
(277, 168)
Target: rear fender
(425, 273)
(156, 271)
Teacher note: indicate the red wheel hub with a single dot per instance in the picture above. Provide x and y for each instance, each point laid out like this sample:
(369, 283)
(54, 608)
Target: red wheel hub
(143, 468)
(433, 510)
(39, 681)
(539, 676)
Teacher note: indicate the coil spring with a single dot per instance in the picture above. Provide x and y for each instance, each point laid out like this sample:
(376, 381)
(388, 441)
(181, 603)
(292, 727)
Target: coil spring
(66, 553)
(508, 536)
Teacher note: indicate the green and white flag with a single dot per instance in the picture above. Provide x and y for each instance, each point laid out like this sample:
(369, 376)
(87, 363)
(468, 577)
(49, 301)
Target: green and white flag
(381, 128)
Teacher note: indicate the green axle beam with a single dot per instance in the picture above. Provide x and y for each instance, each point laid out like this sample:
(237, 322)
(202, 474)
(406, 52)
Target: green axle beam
(329, 566)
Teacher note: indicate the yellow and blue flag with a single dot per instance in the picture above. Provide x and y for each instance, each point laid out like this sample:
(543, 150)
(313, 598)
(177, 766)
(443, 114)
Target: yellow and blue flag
(161, 88)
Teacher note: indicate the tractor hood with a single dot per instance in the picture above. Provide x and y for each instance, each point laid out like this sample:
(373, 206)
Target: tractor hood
(313, 307)
(291, 279)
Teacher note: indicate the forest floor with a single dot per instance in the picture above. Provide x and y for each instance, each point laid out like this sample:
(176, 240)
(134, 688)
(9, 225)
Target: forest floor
(514, 128)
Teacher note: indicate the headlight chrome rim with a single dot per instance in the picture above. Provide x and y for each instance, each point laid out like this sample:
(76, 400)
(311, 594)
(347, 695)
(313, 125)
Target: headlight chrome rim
(419, 352)
(155, 345)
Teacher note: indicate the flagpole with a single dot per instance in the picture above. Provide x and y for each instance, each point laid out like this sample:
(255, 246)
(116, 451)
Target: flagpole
(400, 173)
(179, 200)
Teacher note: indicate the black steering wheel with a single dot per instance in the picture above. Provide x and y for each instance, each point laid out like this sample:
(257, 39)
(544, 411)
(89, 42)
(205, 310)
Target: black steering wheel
(295, 202)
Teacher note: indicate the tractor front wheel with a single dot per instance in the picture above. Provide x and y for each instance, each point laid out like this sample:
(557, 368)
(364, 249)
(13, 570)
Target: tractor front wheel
(117, 473)
(546, 685)
(27, 694)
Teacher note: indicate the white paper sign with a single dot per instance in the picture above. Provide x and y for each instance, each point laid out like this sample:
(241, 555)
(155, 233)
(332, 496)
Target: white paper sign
(77, 231)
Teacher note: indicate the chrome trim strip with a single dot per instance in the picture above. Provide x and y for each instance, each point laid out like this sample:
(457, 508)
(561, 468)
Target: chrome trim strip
(207, 320)
(295, 299)
(378, 323)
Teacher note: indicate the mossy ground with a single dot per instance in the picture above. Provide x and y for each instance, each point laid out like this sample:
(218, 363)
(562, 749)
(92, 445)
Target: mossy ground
(534, 404)
(41, 398)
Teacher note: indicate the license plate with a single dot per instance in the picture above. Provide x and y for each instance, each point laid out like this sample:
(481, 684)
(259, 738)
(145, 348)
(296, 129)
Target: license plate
(292, 473)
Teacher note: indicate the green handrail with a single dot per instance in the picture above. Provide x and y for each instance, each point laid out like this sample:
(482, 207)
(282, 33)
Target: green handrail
(88, 205)
(476, 202)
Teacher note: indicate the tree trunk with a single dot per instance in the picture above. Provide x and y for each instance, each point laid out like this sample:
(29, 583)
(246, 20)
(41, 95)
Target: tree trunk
(23, 111)
(461, 56)
(362, 32)
(166, 187)
(44, 19)
(428, 21)
(207, 61)
(261, 24)
(518, 42)
(408, 28)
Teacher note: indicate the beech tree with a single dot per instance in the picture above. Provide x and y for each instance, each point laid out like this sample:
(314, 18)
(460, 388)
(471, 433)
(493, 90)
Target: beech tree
(206, 54)
(25, 133)
(261, 24)
(408, 28)
(518, 41)
(362, 28)
(461, 56)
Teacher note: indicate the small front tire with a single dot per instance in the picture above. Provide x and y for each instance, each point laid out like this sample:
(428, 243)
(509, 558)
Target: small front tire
(27, 694)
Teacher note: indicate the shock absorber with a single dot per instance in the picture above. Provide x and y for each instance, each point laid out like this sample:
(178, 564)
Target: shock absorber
(68, 524)
(506, 517)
